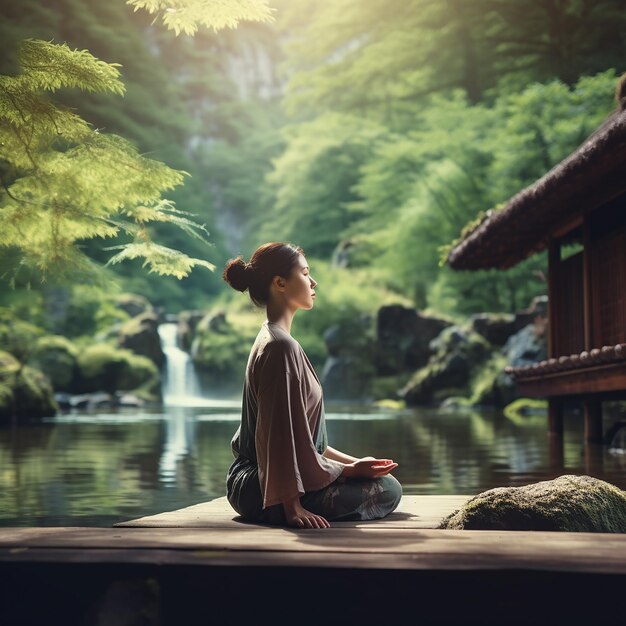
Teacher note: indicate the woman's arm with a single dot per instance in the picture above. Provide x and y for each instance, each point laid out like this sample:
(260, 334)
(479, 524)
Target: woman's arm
(366, 467)
(337, 455)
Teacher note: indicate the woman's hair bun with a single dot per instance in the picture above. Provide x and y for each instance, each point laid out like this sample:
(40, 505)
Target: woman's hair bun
(237, 274)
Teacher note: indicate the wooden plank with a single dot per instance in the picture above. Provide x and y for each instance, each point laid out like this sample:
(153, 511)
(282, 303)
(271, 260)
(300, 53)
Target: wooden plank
(602, 378)
(369, 548)
(423, 511)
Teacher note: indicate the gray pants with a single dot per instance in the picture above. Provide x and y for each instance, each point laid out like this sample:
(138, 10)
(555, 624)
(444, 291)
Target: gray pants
(345, 499)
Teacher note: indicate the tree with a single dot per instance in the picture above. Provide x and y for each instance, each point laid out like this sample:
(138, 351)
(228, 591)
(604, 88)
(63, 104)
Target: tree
(184, 16)
(65, 182)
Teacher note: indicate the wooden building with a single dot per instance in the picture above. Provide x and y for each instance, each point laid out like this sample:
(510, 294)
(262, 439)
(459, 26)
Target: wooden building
(577, 213)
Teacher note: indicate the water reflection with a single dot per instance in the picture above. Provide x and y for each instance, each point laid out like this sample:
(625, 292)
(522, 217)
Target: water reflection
(94, 469)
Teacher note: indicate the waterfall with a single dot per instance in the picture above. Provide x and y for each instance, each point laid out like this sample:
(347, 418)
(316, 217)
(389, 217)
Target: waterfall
(181, 386)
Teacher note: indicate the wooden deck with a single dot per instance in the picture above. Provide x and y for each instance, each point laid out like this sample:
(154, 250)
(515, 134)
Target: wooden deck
(202, 565)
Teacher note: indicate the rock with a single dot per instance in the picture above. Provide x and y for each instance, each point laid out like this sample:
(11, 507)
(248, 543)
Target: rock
(56, 356)
(496, 328)
(105, 368)
(456, 353)
(526, 346)
(141, 335)
(187, 324)
(538, 308)
(219, 351)
(403, 337)
(128, 400)
(348, 370)
(133, 304)
(17, 336)
(24, 391)
(567, 503)
(214, 322)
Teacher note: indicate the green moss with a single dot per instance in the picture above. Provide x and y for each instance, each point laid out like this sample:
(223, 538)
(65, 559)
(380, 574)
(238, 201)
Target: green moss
(386, 387)
(221, 355)
(388, 403)
(483, 381)
(56, 356)
(107, 368)
(522, 407)
(24, 391)
(568, 503)
(17, 336)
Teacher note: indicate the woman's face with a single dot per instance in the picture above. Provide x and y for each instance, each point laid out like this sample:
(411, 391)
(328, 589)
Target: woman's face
(299, 287)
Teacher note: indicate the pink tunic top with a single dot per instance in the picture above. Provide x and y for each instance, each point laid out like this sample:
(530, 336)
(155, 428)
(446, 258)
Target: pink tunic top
(281, 417)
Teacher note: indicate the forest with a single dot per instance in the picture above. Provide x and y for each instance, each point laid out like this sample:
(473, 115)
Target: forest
(138, 156)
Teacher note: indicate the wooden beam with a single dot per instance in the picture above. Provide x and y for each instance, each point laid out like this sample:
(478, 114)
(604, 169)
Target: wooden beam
(587, 293)
(554, 259)
(567, 226)
(593, 421)
(599, 379)
(555, 417)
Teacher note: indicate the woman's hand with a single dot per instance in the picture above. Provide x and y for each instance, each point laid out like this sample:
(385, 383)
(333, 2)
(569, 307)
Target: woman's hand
(369, 467)
(298, 517)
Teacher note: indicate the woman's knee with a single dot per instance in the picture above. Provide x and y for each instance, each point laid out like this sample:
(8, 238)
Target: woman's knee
(392, 489)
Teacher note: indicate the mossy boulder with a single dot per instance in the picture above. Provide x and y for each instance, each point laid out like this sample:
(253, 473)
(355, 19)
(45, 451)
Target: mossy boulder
(403, 337)
(133, 304)
(141, 335)
(348, 370)
(17, 336)
(220, 350)
(57, 357)
(24, 391)
(104, 367)
(187, 324)
(568, 503)
(456, 353)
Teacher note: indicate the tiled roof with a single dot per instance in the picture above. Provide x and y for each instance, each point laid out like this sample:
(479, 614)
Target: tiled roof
(595, 357)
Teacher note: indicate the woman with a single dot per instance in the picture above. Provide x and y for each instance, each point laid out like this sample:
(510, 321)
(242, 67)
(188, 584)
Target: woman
(284, 472)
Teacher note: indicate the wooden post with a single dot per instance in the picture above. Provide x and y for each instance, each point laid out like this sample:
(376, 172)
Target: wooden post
(587, 298)
(555, 417)
(554, 259)
(593, 455)
(593, 421)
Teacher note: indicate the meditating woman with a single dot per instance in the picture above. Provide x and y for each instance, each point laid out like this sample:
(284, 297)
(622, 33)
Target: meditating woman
(284, 471)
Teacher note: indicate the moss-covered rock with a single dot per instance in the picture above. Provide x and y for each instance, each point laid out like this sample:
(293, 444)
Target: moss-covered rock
(24, 391)
(348, 370)
(456, 353)
(220, 350)
(17, 336)
(133, 304)
(104, 367)
(57, 357)
(403, 337)
(567, 503)
(141, 335)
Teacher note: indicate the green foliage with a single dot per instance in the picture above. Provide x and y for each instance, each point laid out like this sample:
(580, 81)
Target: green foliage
(65, 182)
(384, 58)
(313, 181)
(24, 391)
(184, 16)
(104, 367)
(56, 356)
(17, 336)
